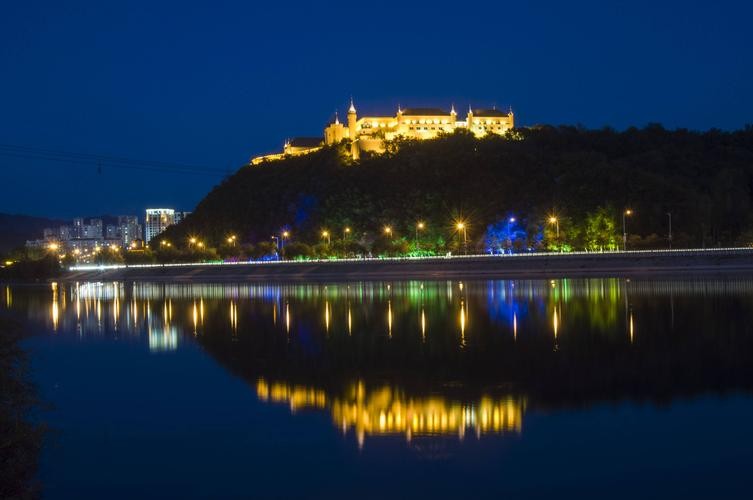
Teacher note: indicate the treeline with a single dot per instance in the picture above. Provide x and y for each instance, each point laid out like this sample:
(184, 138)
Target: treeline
(586, 179)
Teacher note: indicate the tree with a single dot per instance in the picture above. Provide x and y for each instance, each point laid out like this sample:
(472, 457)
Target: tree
(601, 233)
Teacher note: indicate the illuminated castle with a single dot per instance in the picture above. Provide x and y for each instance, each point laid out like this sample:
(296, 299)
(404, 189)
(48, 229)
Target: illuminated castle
(369, 133)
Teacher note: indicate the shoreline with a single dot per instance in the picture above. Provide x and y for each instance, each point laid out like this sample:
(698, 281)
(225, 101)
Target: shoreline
(676, 263)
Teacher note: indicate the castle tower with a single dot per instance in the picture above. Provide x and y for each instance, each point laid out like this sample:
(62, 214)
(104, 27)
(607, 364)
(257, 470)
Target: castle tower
(470, 119)
(352, 118)
(453, 115)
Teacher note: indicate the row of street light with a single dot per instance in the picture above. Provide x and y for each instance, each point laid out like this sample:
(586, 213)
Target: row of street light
(460, 225)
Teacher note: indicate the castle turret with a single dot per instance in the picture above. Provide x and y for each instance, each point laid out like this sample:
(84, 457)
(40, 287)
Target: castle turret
(469, 119)
(352, 118)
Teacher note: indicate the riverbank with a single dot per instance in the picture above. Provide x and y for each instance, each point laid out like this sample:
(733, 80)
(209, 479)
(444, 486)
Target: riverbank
(520, 266)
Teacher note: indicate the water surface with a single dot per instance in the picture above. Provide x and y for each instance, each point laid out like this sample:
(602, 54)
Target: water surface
(404, 389)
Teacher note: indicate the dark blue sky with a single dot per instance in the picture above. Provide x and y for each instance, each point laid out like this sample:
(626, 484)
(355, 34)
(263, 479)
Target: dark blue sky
(213, 83)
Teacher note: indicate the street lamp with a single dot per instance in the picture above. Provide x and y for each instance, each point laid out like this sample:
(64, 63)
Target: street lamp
(284, 235)
(192, 241)
(346, 232)
(325, 235)
(554, 220)
(461, 226)
(388, 230)
(231, 239)
(419, 226)
(510, 221)
(625, 214)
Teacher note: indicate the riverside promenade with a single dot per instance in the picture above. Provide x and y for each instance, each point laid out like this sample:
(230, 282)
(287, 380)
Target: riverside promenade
(679, 263)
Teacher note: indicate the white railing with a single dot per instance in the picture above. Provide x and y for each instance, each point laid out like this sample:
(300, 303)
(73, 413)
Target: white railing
(685, 252)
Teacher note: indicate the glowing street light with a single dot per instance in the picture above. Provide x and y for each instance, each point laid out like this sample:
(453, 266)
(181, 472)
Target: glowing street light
(346, 232)
(388, 230)
(554, 220)
(510, 221)
(200, 244)
(326, 236)
(625, 214)
(461, 226)
(231, 239)
(419, 226)
(53, 247)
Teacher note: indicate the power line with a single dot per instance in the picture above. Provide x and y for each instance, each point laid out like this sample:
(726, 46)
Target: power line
(97, 160)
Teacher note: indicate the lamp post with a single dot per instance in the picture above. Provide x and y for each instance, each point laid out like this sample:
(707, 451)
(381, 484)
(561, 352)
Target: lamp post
(510, 221)
(625, 214)
(461, 226)
(388, 230)
(325, 235)
(346, 232)
(669, 236)
(419, 226)
(554, 220)
(284, 235)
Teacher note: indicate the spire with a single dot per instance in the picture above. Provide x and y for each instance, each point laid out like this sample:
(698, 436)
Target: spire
(352, 108)
(399, 109)
(510, 110)
(452, 109)
(337, 118)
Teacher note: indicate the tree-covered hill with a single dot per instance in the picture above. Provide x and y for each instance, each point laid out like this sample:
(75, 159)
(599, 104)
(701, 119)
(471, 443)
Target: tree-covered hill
(584, 178)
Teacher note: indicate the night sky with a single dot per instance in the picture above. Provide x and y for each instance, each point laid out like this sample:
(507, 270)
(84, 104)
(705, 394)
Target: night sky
(213, 83)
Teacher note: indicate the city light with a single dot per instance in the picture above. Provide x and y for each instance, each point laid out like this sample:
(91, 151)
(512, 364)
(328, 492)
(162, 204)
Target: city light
(387, 230)
(53, 246)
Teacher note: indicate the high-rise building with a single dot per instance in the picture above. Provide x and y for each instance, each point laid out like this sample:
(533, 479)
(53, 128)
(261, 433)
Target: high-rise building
(129, 229)
(78, 227)
(157, 220)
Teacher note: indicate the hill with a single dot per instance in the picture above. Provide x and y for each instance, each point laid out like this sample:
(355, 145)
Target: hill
(16, 229)
(586, 179)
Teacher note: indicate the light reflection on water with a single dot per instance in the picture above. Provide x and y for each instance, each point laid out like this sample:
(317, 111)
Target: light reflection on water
(387, 411)
(423, 358)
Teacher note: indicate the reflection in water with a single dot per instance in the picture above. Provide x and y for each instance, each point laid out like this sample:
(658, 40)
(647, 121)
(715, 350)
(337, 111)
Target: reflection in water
(432, 352)
(387, 411)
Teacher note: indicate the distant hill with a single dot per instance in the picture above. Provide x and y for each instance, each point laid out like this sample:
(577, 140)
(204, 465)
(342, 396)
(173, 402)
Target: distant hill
(16, 229)
(704, 179)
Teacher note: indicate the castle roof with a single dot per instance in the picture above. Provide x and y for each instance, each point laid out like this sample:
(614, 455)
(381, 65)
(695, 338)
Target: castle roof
(489, 112)
(424, 112)
(305, 142)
